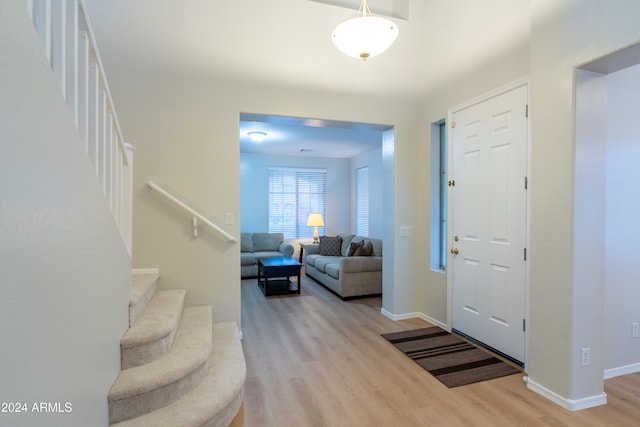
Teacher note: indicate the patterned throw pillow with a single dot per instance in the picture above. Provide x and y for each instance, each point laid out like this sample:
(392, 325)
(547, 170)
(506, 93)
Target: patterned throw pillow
(353, 247)
(365, 250)
(330, 246)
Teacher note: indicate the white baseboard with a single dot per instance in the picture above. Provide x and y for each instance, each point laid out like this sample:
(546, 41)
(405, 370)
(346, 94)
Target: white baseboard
(419, 315)
(622, 370)
(145, 271)
(569, 404)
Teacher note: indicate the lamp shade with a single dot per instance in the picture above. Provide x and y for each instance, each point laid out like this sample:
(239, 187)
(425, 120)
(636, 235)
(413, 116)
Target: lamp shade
(365, 36)
(315, 220)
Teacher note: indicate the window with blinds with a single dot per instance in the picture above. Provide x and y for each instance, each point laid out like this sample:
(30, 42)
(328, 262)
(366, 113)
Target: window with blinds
(362, 202)
(294, 193)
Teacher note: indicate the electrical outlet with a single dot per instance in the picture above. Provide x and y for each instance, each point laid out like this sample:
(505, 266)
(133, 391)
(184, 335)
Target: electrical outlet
(585, 357)
(634, 330)
(228, 218)
(406, 231)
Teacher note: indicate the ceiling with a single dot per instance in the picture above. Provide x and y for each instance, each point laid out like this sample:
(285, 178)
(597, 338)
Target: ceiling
(287, 42)
(292, 136)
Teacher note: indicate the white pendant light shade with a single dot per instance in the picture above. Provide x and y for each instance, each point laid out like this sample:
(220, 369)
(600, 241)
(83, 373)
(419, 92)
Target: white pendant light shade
(366, 35)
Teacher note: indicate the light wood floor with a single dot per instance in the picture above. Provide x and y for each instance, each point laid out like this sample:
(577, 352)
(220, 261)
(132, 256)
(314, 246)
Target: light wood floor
(314, 360)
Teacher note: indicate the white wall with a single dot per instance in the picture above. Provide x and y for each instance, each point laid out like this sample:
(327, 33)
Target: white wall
(430, 291)
(189, 143)
(254, 190)
(621, 291)
(64, 270)
(563, 311)
(373, 160)
(589, 213)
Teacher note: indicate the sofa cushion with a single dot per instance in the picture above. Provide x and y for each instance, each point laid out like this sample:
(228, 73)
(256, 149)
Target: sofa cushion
(267, 254)
(322, 262)
(246, 242)
(353, 247)
(333, 270)
(346, 242)
(360, 264)
(267, 241)
(247, 258)
(377, 246)
(364, 250)
(330, 246)
(311, 259)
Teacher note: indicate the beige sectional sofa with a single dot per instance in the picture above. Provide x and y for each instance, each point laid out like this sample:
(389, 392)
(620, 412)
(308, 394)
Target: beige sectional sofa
(347, 276)
(254, 245)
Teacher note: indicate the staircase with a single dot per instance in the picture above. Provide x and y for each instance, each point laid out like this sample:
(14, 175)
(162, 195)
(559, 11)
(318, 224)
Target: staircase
(178, 367)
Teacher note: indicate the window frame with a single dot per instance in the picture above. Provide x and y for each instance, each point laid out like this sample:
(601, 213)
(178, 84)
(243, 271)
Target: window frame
(438, 197)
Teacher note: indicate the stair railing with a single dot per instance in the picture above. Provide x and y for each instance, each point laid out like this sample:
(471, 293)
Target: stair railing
(67, 37)
(196, 216)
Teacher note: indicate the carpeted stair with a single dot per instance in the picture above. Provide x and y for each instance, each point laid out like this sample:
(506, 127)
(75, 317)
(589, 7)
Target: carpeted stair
(178, 367)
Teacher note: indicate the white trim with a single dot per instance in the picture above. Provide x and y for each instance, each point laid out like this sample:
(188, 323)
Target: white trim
(622, 370)
(405, 316)
(569, 404)
(145, 271)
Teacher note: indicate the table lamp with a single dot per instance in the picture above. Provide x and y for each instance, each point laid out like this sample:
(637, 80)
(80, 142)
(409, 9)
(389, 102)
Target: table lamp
(315, 220)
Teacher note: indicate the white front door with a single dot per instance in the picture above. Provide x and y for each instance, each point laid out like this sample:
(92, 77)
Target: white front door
(487, 180)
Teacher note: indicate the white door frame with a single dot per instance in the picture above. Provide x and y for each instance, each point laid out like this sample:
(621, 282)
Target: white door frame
(503, 89)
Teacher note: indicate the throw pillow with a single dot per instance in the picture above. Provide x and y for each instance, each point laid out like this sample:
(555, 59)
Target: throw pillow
(330, 246)
(353, 247)
(365, 250)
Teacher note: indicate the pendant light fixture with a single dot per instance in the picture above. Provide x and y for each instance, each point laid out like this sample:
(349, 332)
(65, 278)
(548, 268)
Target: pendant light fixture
(366, 35)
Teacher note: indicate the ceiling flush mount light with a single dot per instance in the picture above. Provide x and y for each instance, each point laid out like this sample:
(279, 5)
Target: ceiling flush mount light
(366, 35)
(257, 136)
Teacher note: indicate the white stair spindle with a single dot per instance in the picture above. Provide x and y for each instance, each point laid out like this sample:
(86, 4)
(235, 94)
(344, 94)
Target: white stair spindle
(83, 87)
(94, 111)
(102, 141)
(108, 171)
(72, 58)
(58, 36)
(41, 14)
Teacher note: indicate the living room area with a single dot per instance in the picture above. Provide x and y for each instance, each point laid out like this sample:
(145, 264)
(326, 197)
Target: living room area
(328, 168)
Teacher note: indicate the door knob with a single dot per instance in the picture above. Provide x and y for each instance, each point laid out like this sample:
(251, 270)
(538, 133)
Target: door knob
(454, 251)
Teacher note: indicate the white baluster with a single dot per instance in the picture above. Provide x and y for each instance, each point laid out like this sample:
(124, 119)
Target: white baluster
(66, 36)
(41, 15)
(58, 36)
(102, 141)
(72, 58)
(109, 160)
(118, 186)
(83, 87)
(94, 111)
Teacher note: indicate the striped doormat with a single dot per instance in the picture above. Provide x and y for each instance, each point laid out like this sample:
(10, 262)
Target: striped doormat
(449, 358)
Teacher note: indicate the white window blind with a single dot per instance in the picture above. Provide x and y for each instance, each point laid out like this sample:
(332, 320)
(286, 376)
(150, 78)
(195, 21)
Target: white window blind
(362, 201)
(294, 193)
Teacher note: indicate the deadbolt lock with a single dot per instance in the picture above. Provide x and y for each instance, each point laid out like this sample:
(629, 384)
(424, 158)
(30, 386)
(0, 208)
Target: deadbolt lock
(455, 238)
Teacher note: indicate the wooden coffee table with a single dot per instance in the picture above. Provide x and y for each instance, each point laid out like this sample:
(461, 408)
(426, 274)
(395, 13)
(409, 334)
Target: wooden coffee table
(274, 274)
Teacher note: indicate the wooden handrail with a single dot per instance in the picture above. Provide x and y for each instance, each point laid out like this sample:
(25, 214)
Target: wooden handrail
(196, 215)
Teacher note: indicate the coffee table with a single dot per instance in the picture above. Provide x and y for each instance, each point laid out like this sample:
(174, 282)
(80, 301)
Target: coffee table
(274, 274)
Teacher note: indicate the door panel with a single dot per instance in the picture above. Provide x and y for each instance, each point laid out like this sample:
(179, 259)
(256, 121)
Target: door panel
(489, 146)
